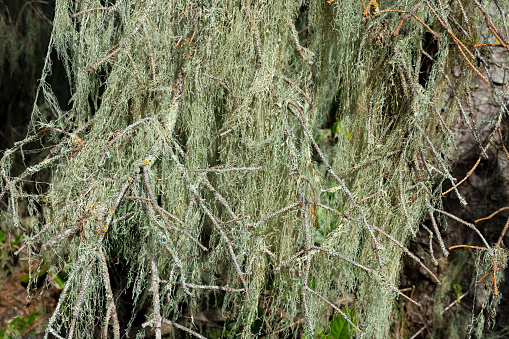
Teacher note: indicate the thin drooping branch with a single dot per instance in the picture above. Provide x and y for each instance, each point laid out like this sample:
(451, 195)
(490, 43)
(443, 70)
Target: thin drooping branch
(44, 228)
(297, 88)
(465, 17)
(405, 18)
(458, 300)
(157, 319)
(63, 295)
(338, 213)
(110, 9)
(468, 246)
(154, 288)
(334, 307)
(115, 49)
(403, 203)
(77, 308)
(308, 261)
(372, 273)
(410, 254)
(170, 248)
(375, 244)
(491, 25)
(492, 214)
(152, 60)
(30, 171)
(304, 214)
(183, 328)
(400, 245)
(387, 130)
(214, 221)
(219, 288)
(221, 82)
(272, 215)
(222, 201)
(426, 166)
(166, 223)
(121, 134)
(332, 252)
(472, 226)
(444, 167)
(502, 143)
(80, 223)
(461, 47)
(117, 198)
(111, 309)
(504, 230)
(431, 245)
(220, 170)
(469, 173)
(295, 37)
(437, 231)
(289, 260)
(298, 109)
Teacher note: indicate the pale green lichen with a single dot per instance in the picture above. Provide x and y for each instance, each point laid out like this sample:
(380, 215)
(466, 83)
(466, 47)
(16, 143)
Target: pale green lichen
(164, 87)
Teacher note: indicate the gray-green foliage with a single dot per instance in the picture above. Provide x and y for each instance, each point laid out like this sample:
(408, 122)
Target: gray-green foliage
(159, 88)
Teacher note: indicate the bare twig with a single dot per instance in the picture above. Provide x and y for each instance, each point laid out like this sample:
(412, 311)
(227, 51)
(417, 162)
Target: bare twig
(469, 173)
(334, 307)
(375, 243)
(284, 209)
(297, 88)
(492, 214)
(221, 82)
(154, 288)
(111, 303)
(431, 245)
(221, 170)
(214, 221)
(295, 37)
(472, 226)
(437, 231)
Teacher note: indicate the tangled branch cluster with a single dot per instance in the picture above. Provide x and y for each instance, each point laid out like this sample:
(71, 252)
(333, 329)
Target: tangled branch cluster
(198, 161)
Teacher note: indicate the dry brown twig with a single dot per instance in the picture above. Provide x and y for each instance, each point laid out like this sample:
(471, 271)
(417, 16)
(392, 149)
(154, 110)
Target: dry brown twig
(496, 253)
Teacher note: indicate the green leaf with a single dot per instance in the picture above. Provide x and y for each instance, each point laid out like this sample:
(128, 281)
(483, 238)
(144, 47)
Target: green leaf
(336, 127)
(339, 328)
(458, 288)
(59, 280)
(25, 279)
